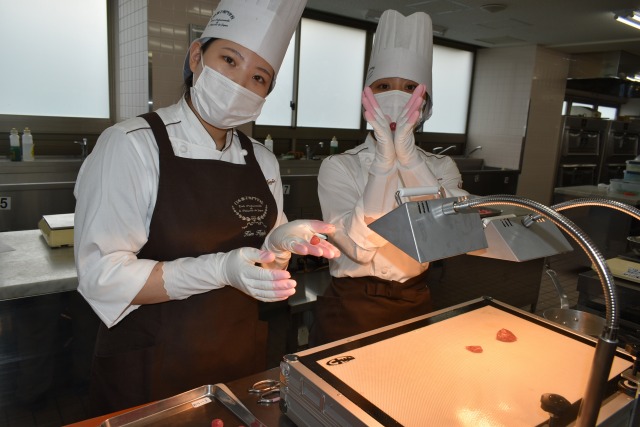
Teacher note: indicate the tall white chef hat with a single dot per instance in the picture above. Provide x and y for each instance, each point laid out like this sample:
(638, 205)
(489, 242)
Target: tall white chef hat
(403, 47)
(264, 26)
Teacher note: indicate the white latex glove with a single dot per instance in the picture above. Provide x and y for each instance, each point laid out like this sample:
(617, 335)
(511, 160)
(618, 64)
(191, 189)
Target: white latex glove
(189, 276)
(385, 157)
(300, 237)
(403, 139)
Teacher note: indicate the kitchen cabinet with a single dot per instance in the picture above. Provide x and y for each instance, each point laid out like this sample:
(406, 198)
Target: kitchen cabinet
(489, 180)
(29, 190)
(42, 169)
(607, 228)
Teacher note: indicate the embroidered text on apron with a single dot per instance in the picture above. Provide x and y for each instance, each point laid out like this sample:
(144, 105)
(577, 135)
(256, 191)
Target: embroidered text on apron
(352, 305)
(159, 350)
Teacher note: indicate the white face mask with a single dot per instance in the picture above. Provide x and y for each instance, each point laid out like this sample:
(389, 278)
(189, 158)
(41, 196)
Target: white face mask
(392, 102)
(223, 103)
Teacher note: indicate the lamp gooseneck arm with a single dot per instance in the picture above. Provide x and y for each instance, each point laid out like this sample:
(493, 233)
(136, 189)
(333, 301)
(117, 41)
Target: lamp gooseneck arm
(607, 342)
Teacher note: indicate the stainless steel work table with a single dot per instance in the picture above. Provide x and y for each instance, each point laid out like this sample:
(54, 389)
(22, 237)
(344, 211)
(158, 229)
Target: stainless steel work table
(32, 268)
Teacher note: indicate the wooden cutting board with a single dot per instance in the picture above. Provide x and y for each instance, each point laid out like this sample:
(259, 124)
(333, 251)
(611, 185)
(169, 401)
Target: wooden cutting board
(428, 377)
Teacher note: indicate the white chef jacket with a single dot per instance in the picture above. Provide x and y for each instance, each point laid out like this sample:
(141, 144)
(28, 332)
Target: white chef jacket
(341, 183)
(116, 194)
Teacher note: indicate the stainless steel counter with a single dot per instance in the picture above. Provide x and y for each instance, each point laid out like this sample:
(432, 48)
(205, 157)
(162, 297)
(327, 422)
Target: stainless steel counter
(42, 169)
(595, 191)
(32, 267)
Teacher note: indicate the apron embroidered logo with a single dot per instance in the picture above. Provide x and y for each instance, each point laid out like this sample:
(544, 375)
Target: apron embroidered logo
(253, 211)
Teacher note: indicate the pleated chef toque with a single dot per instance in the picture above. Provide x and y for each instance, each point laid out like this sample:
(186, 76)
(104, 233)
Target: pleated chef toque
(264, 26)
(403, 47)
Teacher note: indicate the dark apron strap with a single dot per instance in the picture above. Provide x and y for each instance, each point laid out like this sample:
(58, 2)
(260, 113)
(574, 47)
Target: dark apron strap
(160, 133)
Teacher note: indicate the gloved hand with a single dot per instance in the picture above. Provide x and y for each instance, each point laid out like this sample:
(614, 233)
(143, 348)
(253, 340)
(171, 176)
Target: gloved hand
(404, 140)
(385, 156)
(239, 270)
(299, 237)
(189, 276)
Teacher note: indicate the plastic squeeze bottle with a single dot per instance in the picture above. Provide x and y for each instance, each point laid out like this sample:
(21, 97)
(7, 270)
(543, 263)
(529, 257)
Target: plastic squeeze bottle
(333, 146)
(27, 146)
(15, 152)
(268, 142)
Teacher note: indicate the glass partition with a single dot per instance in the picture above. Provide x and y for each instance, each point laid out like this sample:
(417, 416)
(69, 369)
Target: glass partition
(55, 59)
(331, 75)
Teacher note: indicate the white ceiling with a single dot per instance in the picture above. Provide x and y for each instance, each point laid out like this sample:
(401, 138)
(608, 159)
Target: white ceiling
(573, 26)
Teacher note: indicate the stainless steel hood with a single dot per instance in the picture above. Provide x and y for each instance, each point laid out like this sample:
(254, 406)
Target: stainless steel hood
(426, 233)
(604, 73)
(510, 240)
(618, 64)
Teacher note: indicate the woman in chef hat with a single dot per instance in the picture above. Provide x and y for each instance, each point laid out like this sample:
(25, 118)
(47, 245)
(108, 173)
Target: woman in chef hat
(179, 228)
(373, 282)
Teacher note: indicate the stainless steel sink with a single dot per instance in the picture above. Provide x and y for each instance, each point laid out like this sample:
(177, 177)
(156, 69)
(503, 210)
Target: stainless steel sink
(468, 163)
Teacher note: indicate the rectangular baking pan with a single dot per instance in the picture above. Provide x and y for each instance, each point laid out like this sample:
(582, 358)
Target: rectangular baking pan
(199, 406)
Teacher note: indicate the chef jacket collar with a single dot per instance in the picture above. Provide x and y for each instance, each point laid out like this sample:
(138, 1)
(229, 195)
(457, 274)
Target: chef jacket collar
(370, 143)
(196, 132)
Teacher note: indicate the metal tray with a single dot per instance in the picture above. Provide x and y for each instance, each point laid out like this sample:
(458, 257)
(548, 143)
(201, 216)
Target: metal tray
(195, 407)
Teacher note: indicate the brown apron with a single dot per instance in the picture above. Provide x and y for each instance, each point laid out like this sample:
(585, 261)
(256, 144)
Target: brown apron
(352, 305)
(159, 350)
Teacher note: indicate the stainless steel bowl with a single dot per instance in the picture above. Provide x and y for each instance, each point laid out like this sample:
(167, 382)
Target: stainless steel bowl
(581, 321)
(634, 244)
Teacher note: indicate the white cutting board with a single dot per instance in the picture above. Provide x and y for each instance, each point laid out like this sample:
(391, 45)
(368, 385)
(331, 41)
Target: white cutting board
(428, 377)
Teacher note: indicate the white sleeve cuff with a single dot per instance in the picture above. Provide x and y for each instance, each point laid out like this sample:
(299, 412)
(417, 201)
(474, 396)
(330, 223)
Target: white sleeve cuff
(360, 232)
(190, 276)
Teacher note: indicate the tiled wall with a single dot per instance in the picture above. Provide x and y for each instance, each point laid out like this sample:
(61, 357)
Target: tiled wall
(153, 41)
(542, 144)
(132, 85)
(499, 104)
(517, 95)
(168, 27)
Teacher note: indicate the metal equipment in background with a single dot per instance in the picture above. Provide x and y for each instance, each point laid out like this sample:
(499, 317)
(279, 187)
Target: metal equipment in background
(581, 142)
(620, 144)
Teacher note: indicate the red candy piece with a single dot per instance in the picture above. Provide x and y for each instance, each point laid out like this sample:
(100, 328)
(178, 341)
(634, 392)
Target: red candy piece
(506, 335)
(314, 240)
(392, 125)
(217, 423)
(474, 348)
